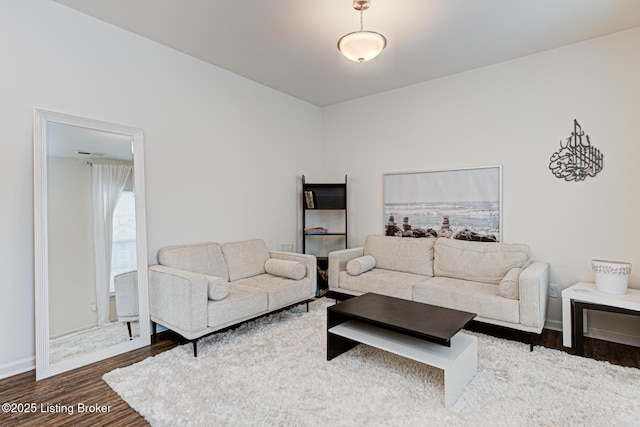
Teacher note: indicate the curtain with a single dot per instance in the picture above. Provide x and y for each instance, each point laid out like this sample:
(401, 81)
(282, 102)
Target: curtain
(108, 181)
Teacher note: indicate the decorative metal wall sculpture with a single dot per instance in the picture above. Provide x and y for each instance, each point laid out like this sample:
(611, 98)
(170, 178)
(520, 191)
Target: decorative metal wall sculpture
(576, 160)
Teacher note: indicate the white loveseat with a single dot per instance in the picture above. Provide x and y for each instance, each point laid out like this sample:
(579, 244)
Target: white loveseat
(497, 281)
(198, 289)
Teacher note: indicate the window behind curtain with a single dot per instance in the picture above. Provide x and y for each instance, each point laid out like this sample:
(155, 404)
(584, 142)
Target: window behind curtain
(123, 256)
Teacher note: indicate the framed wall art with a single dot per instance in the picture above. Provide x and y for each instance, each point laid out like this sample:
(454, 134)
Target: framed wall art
(465, 204)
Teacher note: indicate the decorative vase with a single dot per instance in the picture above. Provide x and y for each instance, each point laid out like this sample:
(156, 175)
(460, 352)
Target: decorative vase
(611, 276)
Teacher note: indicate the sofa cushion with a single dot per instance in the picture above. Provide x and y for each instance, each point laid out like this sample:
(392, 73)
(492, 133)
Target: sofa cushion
(477, 261)
(218, 288)
(380, 281)
(283, 268)
(401, 254)
(509, 287)
(202, 258)
(245, 258)
(281, 292)
(242, 303)
(360, 265)
(480, 298)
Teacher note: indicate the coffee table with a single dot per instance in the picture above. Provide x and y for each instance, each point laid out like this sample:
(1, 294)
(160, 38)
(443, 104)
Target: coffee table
(422, 332)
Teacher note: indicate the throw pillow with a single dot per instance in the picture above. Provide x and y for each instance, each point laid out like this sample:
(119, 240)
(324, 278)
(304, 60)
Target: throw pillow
(510, 285)
(218, 288)
(360, 265)
(284, 268)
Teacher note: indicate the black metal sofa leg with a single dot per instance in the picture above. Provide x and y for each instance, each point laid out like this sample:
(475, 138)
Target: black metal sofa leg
(129, 329)
(532, 340)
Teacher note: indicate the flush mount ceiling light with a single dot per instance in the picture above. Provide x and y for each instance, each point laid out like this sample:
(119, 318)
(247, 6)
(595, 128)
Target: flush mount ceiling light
(361, 46)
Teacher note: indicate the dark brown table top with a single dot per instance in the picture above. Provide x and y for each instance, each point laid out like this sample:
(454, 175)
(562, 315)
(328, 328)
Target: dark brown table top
(430, 322)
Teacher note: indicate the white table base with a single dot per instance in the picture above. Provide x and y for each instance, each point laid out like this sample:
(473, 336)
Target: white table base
(584, 292)
(459, 362)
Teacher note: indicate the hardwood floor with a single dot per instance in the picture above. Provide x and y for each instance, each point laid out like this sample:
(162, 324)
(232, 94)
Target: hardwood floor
(80, 386)
(85, 385)
(614, 353)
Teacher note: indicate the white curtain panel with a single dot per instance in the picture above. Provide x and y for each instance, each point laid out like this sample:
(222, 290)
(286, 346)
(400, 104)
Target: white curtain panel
(108, 181)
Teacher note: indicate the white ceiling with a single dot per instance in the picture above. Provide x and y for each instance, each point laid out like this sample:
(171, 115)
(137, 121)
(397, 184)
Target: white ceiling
(290, 45)
(84, 143)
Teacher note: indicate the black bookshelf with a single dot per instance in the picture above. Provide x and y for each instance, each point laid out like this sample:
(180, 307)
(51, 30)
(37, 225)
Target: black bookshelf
(323, 197)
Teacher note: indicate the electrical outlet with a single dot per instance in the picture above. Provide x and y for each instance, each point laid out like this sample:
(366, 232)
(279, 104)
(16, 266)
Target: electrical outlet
(553, 291)
(93, 307)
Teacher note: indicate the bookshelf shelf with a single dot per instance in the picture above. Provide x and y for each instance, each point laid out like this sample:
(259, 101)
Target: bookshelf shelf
(327, 199)
(325, 234)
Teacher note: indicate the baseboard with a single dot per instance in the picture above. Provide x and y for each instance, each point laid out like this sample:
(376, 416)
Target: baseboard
(607, 335)
(159, 328)
(600, 334)
(73, 331)
(17, 367)
(554, 325)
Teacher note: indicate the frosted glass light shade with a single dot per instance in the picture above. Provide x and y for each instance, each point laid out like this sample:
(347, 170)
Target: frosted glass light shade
(361, 46)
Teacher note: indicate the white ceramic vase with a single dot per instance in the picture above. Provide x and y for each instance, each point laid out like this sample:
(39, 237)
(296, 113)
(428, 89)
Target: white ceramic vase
(611, 276)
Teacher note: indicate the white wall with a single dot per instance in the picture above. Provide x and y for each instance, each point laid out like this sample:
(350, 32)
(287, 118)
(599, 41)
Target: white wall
(71, 277)
(515, 114)
(223, 154)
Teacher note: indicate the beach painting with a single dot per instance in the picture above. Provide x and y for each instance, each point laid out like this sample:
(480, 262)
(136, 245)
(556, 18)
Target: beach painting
(455, 203)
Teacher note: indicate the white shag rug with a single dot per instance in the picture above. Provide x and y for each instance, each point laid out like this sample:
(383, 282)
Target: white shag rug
(90, 340)
(274, 372)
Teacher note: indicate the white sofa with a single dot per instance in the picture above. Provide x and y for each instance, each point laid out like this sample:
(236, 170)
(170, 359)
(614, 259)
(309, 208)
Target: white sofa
(497, 281)
(126, 292)
(198, 289)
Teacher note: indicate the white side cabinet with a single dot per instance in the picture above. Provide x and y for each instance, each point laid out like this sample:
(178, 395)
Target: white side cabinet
(583, 295)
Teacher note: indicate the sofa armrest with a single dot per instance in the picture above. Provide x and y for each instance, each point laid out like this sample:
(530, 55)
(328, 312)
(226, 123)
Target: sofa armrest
(178, 300)
(126, 293)
(534, 292)
(309, 261)
(338, 262)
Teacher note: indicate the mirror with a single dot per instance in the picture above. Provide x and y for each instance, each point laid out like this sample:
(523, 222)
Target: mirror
(90, 241)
